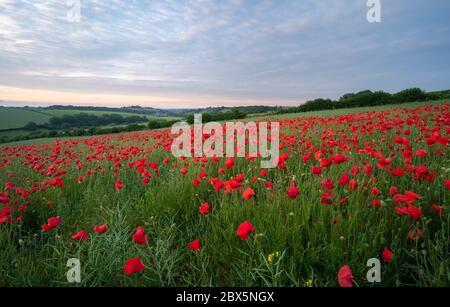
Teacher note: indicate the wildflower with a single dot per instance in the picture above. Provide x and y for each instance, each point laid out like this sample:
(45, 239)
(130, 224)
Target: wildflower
(52, 222)
(101, 228)
(119, 185)
(271, 257)
(387, 255)
(248, 193)
(80, 236)
(133, 266)
(204, 208)
(139, 236)
(292, 192)
(194, 245)
(244, 230)
(345, 277)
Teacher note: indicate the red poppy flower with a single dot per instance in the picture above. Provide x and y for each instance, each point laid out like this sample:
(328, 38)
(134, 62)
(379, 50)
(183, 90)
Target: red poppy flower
(194, 245)
(269, 185)
(52, 222)
(421, 153)
(6, 218)
(387, 255)
(316, 170)
(447, 183)
(375, 191)
(240, 177)
(353, 185)
(4, 198)
(355, 170)
(244, 230)
(410, 210)
(393, 190)
(248, 193)
(345, 277)
(325, 162)
(204, 208)
(327, 184)
(133, 266)
(119, 185)
(101, 228)
(5, 211)
(326, 198)
(344, 179)
(218, 185)
(81, 236)
(139, 236)
(376, 203)
(229, 163)
(202, 175)
(292, 192)
(195, 182)
(338, 159)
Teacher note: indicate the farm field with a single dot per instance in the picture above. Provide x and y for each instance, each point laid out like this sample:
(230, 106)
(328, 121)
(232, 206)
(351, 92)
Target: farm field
(59, 113)
(349, 185)
(326, 113)
(13, 118)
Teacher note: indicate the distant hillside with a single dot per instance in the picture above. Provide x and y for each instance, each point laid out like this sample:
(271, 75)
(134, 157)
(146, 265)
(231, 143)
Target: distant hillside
(181, 112)
(131, 109)
(12, 118)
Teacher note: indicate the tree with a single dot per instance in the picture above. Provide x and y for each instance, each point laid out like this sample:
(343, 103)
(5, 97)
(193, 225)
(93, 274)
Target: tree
(410, 95)
(31, 126)
(153, 124)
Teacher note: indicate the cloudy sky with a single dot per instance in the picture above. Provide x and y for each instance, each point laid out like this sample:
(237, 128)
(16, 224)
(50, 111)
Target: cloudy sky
(228, 52)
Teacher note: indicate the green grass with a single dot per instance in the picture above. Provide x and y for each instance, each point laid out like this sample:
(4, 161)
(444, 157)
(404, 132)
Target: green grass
(313, 240)
(11, 118)
(277, 116)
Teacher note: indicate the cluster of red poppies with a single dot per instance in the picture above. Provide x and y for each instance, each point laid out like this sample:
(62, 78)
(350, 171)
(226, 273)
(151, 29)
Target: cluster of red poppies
(405, 138)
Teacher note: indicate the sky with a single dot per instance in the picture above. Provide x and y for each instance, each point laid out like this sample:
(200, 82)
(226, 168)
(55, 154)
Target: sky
(198, 53)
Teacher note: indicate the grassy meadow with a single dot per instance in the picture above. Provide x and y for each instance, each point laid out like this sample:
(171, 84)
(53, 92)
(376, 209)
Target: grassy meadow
(350, 185)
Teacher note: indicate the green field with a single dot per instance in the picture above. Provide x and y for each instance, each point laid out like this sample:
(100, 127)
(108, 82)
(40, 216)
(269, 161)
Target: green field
(12, 118)
(59, 113)
(279, 116)
(346, 190)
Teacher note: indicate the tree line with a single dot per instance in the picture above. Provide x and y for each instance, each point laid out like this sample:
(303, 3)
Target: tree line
(85, 120)
(234, 113)
(367, 98)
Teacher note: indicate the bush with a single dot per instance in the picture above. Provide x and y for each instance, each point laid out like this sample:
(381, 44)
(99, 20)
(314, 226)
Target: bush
(87, 120)
(317, 104)
(153, 124)
(31, 126)
(410, 95)
(234, 113)
(364, 98)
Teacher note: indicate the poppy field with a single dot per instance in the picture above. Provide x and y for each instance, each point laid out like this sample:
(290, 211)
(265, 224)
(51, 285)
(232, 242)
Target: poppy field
(346, 188)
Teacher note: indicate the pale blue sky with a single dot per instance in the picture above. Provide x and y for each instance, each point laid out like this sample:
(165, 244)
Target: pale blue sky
(199, 53)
